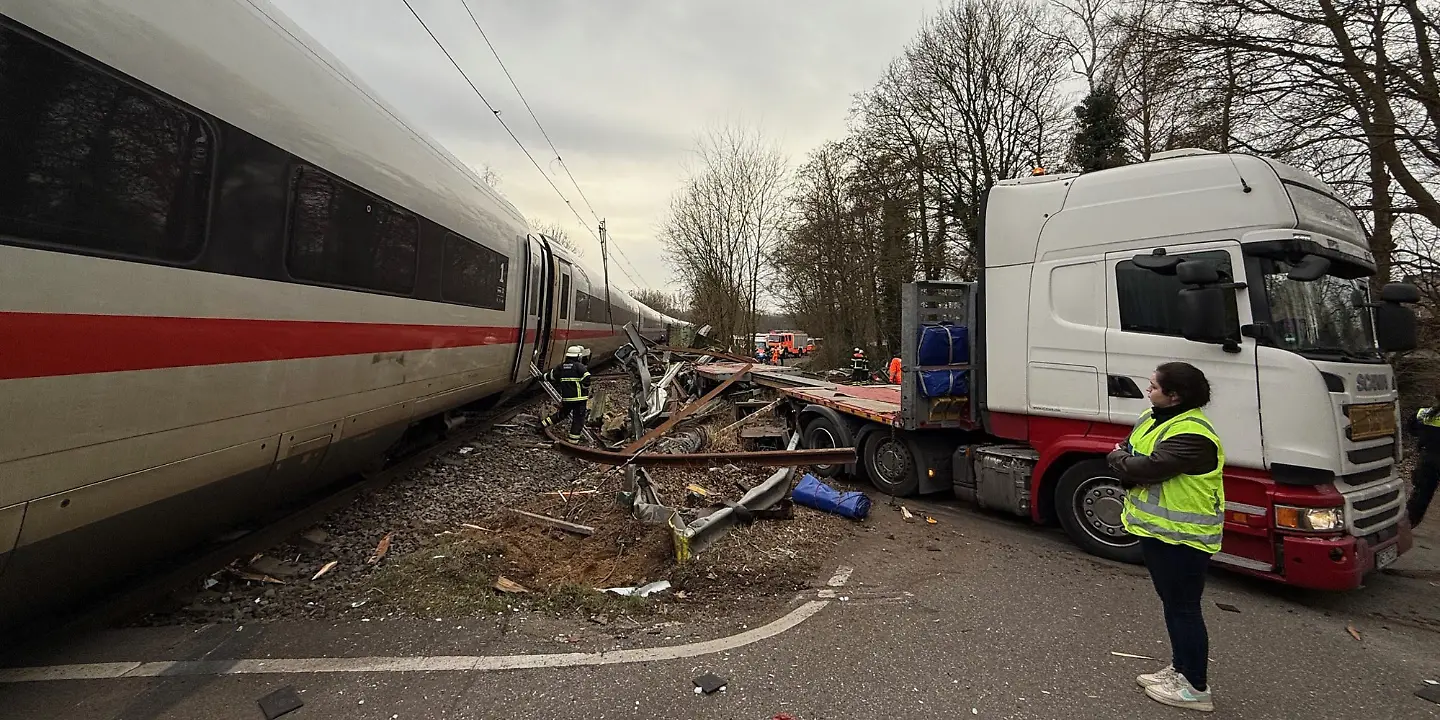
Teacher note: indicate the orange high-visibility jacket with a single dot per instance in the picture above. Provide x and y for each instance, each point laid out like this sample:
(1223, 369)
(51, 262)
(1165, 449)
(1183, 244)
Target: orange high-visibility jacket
(895, 374)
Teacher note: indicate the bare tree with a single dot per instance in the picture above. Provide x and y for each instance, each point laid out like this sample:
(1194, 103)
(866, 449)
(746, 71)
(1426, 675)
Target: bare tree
(724, 221)
(659, 301)
(558, 235)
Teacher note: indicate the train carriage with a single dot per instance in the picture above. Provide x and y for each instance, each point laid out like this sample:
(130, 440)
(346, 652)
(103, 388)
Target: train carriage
(230, 274)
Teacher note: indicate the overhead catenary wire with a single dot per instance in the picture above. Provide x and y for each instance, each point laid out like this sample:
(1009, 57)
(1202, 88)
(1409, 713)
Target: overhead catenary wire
(543, 133)
(496, 113)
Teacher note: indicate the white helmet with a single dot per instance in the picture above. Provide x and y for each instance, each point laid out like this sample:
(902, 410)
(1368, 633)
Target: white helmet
(575, 351)
(859, 350)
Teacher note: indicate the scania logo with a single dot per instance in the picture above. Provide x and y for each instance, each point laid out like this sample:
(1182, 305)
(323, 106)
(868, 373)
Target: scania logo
(1374, 382)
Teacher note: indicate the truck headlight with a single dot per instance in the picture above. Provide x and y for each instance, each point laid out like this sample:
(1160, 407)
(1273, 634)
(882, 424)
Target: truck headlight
(1330, 519)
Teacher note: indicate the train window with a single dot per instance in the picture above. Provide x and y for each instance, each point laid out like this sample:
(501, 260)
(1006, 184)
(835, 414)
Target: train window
(95, 163)
(342, 236)
(474, 274)
(534, 289)
(565, 296)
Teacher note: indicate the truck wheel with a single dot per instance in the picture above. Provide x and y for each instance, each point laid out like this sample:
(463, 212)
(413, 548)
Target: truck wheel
(889, 460)
(1089, 502)
(821, 432)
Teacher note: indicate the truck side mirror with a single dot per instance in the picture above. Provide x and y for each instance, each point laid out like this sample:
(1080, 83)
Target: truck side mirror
(1399, 292)
(1203, 317)
(1395, 323)
(1157, 262)
(1197, 272)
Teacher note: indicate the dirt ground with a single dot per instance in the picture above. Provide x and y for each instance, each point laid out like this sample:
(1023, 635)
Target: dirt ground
(448, 539)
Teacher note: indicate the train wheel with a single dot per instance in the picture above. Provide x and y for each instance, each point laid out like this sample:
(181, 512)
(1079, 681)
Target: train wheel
(889, 460)
(1089, 501)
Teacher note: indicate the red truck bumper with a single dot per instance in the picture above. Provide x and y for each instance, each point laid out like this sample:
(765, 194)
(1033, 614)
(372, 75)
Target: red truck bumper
(1332, 563)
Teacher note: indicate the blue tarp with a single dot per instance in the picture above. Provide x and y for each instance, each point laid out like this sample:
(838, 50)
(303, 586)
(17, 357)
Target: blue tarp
(944, 383)
(812, 493)
(944, 344)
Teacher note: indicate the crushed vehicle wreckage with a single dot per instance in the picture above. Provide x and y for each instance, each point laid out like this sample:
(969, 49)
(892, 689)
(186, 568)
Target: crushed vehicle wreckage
(665, 388)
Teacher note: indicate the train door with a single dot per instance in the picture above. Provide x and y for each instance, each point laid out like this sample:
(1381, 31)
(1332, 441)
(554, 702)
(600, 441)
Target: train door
(564, 304)
(534, 325)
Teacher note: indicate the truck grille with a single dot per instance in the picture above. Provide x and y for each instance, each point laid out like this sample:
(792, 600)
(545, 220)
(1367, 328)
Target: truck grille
(1373, 500)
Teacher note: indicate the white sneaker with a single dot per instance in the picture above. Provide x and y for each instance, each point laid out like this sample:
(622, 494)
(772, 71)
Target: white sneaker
(1157, 678)
(1179, 693)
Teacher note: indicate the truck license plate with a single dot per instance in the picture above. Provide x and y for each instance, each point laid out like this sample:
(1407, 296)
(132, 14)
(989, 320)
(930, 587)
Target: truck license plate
(1368, 422)
(1385, 556)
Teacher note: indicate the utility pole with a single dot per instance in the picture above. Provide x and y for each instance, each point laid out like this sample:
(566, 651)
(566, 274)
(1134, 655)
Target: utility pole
(605, 264)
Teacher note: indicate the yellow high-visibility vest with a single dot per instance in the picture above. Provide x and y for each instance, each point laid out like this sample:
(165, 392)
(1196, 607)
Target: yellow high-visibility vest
(1186, 509)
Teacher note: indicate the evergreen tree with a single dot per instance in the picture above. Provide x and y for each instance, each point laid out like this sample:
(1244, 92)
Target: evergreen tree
(1099, 132)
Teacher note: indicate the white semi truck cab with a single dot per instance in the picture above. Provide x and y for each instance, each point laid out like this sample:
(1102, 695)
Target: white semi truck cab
(1247, 268)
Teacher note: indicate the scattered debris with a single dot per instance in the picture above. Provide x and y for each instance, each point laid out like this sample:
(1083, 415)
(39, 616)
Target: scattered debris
(506, 585)
(1429, 691)
(1130, 655)
(381, 549)
(466, 450)
(280, 702)
(1227, 607)
(783, 716)
(642, 591)
(256, 577)
(698, 490)
(810, 492)
(905, 513)
(585, 530)
(468, 526)
(359, 603)
(328, 567)
(1353, 632)
(709, 683)
(316, 538)
(931, 521)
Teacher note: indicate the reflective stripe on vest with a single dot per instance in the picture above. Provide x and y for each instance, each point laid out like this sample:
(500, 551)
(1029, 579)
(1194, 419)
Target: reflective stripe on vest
(1428, 416)
(1186, 509)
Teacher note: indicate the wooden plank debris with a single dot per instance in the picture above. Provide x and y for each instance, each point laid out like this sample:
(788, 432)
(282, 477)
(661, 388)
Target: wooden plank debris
(585, 530)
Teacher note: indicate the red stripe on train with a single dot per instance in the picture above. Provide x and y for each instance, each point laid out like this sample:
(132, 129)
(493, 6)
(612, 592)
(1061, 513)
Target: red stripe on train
(52, 344)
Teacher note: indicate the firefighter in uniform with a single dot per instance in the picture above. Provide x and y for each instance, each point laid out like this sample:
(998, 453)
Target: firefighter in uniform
(1426, 429)
(1172, 466)
(859, 366)
(572, 380)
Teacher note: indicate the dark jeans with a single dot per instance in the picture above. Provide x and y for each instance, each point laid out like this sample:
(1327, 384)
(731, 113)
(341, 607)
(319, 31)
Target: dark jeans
(1423, 481)
(1179, 575)
(577, 412)
(858, 375)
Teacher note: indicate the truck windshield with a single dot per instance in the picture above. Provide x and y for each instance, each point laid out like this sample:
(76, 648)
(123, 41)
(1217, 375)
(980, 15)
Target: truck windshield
(1324, 319)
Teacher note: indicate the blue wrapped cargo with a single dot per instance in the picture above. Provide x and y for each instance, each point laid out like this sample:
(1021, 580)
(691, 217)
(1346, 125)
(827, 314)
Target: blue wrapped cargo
(812, 493)
(944, 344)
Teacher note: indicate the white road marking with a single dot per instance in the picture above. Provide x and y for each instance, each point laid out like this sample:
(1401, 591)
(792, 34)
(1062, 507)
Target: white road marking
(451, 663)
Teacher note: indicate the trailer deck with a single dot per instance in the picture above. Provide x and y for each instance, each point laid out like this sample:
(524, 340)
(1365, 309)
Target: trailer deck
(880, 403)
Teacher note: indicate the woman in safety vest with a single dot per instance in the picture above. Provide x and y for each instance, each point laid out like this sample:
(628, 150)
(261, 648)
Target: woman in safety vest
(1171, 466)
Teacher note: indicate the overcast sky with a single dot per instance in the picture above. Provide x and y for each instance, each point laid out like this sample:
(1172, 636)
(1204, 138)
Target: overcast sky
(621, 86)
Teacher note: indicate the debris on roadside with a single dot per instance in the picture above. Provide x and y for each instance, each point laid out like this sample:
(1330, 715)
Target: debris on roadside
(327, 568)
(506, 585)
(812, 493)
(556, 522)
(1131, 655)
(931, 521)
(1227, 607)
(906, 514)
(1353, 632)
(281, 702)
(381, 549)
(642, 591)
(709, 683)
(1429, 691)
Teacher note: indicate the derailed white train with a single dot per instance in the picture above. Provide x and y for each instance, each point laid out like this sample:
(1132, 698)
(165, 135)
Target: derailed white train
(229, 274)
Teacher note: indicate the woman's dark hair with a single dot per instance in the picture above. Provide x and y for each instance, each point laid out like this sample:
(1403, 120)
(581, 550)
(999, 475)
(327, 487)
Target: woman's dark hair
(1186, 381)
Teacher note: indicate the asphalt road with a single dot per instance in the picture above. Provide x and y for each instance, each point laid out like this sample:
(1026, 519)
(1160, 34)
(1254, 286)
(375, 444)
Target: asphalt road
(976, 616)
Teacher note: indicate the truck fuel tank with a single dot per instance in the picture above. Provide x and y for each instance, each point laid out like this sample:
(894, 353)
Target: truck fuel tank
(995, 476)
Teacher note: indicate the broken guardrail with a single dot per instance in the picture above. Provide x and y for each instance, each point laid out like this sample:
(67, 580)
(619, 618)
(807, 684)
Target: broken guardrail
(762, 458)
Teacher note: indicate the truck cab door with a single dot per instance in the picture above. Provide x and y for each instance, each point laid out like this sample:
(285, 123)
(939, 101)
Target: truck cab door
(1143, 331)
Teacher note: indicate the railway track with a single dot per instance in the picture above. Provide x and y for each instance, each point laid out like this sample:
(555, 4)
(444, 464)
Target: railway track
(141, 595)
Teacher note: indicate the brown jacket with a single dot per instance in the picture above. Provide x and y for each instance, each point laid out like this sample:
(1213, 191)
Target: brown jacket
(1180, 455)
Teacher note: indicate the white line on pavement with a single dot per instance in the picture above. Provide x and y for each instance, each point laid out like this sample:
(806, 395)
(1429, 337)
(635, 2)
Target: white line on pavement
(177, 668)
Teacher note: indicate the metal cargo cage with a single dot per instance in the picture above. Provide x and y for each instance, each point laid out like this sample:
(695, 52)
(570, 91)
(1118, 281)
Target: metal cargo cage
(933, 303)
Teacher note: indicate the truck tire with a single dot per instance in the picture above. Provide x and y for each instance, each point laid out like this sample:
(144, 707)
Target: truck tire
(1089, 501)
(821, 432)
(889, 461)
